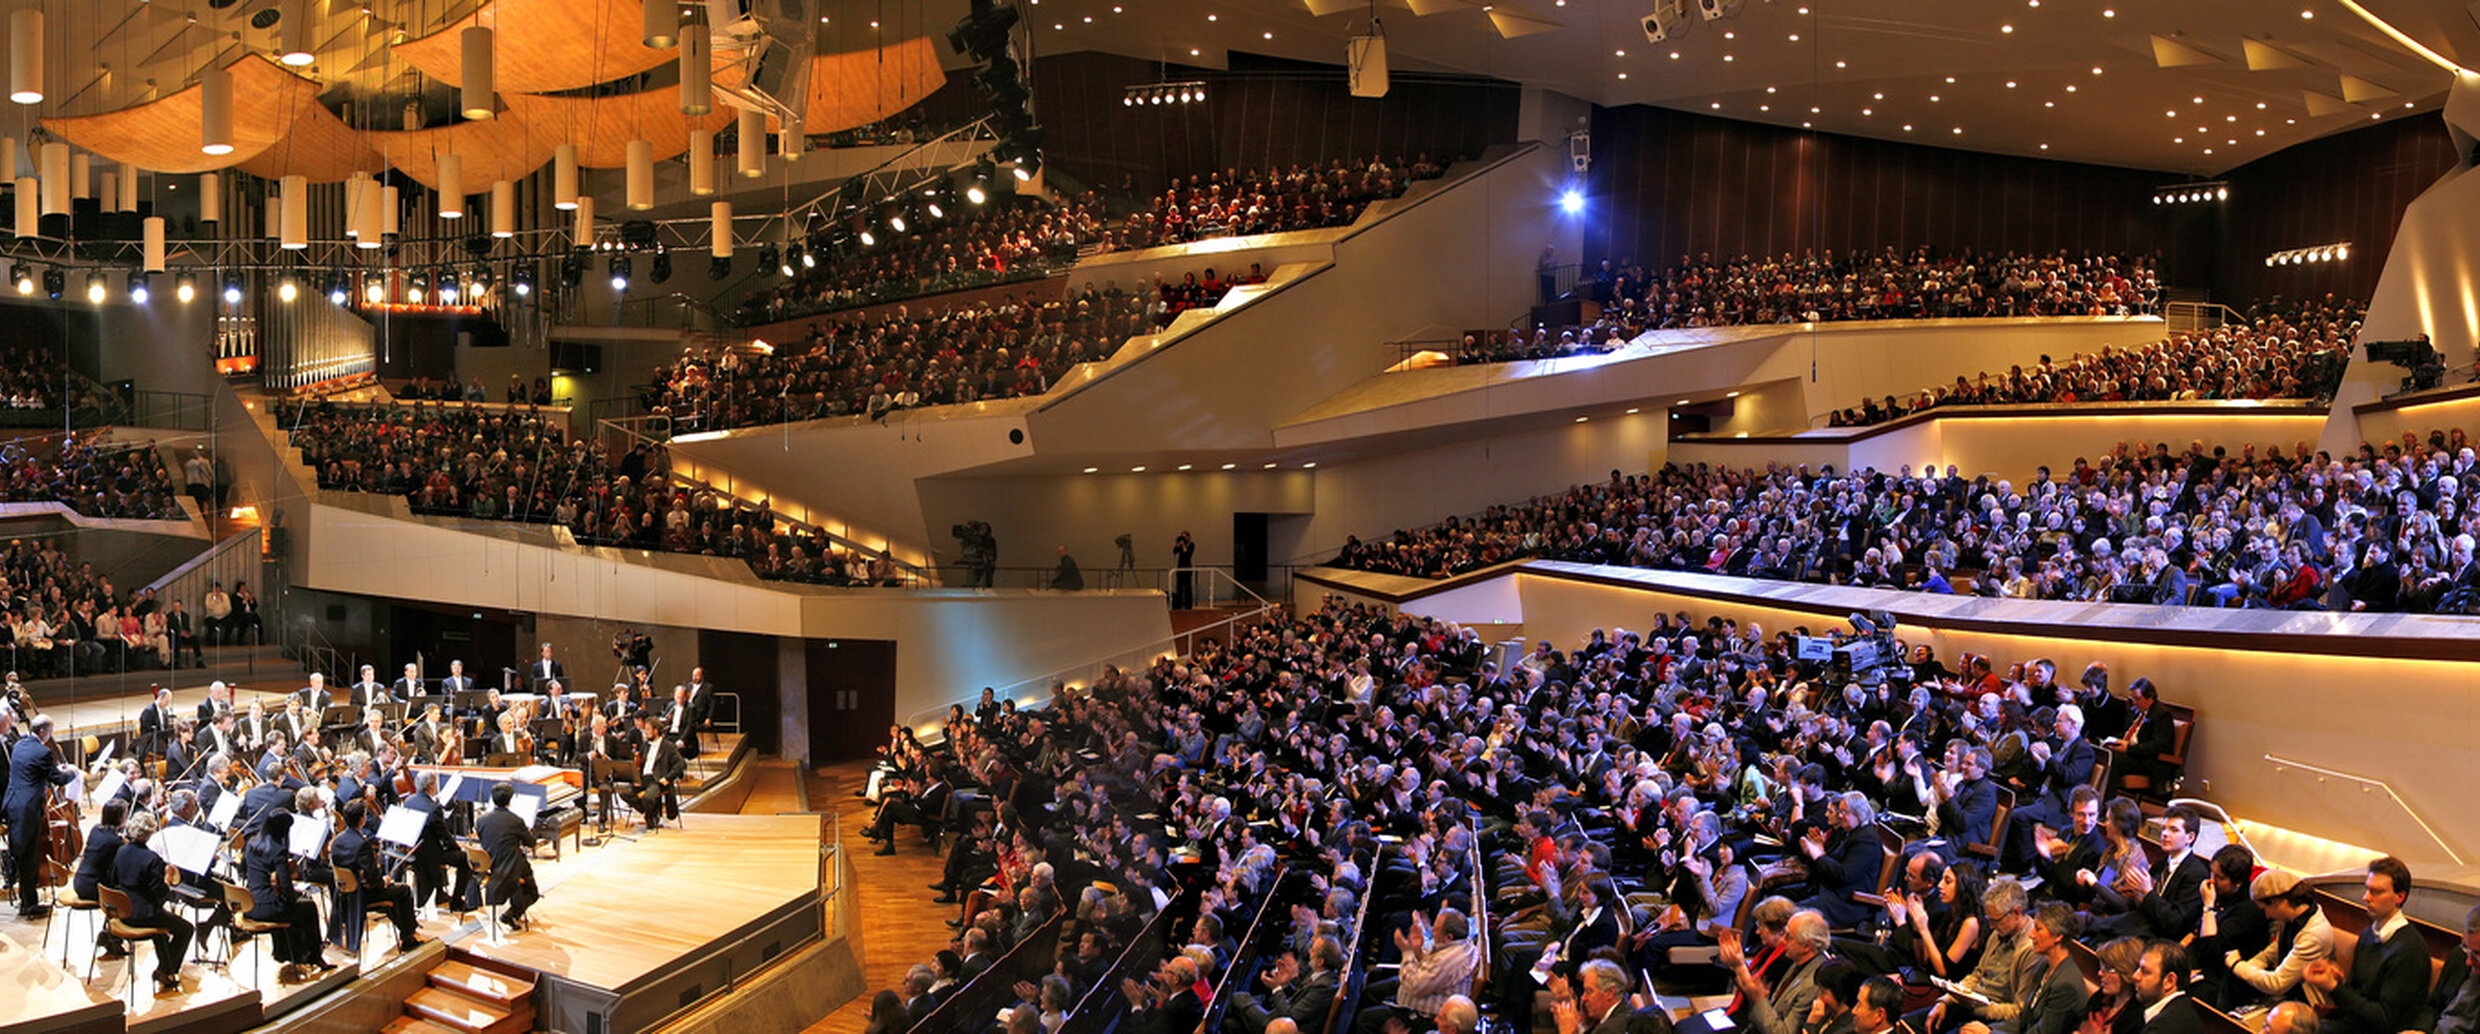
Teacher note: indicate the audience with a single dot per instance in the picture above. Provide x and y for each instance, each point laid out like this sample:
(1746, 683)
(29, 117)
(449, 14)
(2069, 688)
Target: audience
(1232, 203)
(1009, 238)
(1924, 283)
(90, 474)
(518, 464)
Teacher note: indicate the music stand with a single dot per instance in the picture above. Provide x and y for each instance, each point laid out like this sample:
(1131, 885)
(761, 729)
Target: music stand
(506, 761)
(607, 774)
(546, 733)
(339, 718)
(472, 700)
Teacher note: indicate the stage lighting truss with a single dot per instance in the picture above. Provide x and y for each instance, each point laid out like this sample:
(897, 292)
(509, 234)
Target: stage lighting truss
(2336, 252)
(1187, 91)
(2191, 193)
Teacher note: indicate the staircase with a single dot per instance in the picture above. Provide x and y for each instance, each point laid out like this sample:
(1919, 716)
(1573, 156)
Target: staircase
(465, 996)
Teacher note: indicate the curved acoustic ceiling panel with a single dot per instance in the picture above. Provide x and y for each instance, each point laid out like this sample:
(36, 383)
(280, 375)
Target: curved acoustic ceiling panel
(543, 45)
(602, 127)
(858, 87)
(162, 134)
(503, 148)
(320, 148)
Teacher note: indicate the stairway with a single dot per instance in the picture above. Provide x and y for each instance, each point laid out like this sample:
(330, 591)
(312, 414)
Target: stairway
(465, 997)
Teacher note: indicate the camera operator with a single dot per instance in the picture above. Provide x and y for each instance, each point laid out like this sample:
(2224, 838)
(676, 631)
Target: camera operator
(981, 552)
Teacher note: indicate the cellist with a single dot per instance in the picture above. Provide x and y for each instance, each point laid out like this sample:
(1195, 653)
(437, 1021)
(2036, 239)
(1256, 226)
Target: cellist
(34, 769)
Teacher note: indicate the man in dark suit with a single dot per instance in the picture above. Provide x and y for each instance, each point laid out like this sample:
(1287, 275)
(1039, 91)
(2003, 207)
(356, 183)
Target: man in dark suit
(2386, 988)
(32, 770)
(659, 769)
(1968, 809)
(315, 698)
(406, 687)
(701, 700)
(155, 724)
(2161, 988)
(1845, 863)
(1166, 1004)
(2151, 736)
(354, 851)
(544, 668)
(218, 702)
(507, 839)
(1304, 1001)
(435, 850)
(457, 681)
(2168, 899)
(139, 872)
(680, 722)
(184, 635)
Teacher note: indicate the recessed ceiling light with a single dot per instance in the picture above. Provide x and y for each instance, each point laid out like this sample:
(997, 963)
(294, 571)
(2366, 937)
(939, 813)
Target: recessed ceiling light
(2108, 13)
(2178, 139)
(1907, 127)
(1623, 75)
(1091, 470)
(1089, 19)
(1632, 409)
(1868, 111)
(1270, 35)
(1717, 105)
(2260, 132)
(1808, 125)
(2172, 113)
(1192, 52)
(1730, 35)
(2070, 87)
(2049, 104)
(2405, 104)
(1681, 402)
(2208, 150)
(1186, 466)
(2010, 84)
(1139, 469)
(1815, 110)
(1619, 53)
(1213, 18)
(2045, 147)
(1674, 55)
(1765, 107)
(2096, 69)
(1877, 96)
(1842, 64)
(1958, 130)
(2307, 14)
(2197, 100)
(1311, 465)
(1229, 466)
(1730, 394)
(1582, 419)
(1726, 57)
(1795, 37)
(1270, 466)
(1770, 89)
(2260, 105)
(2006, 28)
(1950, 78)
(1933, 98)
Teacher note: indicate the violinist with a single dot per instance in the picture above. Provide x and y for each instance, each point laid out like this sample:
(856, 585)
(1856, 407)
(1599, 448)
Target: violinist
(94, 870)
(268, 866)
(261, 801)
(368, 691)
(252, 729)
(371, 736)
(354, 850)
(217, 736)
(139, 872)
(512, 737)
(429, 732)
(220, 780)
(181, 751)
(270, 766)
(602, 742)
(293, 722)
(34, 768)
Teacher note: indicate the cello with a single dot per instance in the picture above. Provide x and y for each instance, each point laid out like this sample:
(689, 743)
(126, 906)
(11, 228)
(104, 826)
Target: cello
(65, 840)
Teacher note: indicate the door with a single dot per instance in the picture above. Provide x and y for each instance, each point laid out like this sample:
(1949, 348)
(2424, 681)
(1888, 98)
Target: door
(852, 697)
(1248, 547)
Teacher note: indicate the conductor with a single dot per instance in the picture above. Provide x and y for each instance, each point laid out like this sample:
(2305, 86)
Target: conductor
(32, 769)
(505, 837)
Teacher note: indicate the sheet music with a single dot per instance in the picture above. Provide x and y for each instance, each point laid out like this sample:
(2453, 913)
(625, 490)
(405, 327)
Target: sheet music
(105, 755)
(186, 848)
(111, 785)
(455, 782)
(402, 826)
(309, 836)
(535, 774)
(525, 806)
(74, 790)
(227, 805)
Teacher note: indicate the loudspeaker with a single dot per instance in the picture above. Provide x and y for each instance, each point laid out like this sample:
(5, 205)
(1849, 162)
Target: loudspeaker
(1365, 57)
(1667, 22)
(1718, 9)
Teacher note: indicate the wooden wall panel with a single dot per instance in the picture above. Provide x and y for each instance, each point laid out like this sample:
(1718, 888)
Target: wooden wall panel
(2351, 187)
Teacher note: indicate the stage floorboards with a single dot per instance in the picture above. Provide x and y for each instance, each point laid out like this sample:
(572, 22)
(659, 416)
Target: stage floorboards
(897, 924)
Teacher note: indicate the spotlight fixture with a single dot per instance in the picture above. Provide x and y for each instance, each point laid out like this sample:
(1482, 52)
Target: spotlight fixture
(138, 292)
(25, 279)
(521, 281)
(975, 193)
(662, 270)
(55, 282)
(1571, 201)
(1025, 167)
(769, 257)
(2191, 193)
(374, 290)
(1186, 91)
(95, 289)
(868, 239)
(619, 272)
(184, 287)
(573, 269)
(895, 221)
(785, 266)
(339, 289)
(2303, 256)
(447, 287)
(718, 267)
(232, 288)
(809, 258)
(286, 291)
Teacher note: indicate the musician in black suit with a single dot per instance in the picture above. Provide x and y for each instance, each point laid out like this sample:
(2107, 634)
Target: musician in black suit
(367, 692)
(507, 839)
(315, 698)
(603, 740)
(354, 851)
(659, 770)
(427, 734)
(139, 872)
(272, 756)
(680, 723)
(544, 668)
(267, 865)
(218, 702)
(94, 869)
(263, 800)
(435, 850)
(32, 770)
(456, 682)
(251, 728)
(181, 751)
(701, 699)
(155, 724)
(625, 702)
(407, 686)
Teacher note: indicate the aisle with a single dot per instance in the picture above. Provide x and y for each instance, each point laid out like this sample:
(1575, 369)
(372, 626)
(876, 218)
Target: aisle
(898, 925)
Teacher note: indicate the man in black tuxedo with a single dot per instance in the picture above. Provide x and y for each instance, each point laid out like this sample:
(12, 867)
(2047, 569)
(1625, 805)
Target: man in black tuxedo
(366, 688)
(406, 686)
(507, 839)
(457, 681)
(354, 851)
(32, 769)
(2168, 899)
(659, 769)
(544, 668)
(2161, 988)
(155, 724)
(680, 722)
(701, 700)
(2151, 736)
(1167, 1004)
(435, 850)
(314, 697)
(139, 872)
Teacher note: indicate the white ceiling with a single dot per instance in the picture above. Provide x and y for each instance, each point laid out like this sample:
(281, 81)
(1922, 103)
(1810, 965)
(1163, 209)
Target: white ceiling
(2068, 79)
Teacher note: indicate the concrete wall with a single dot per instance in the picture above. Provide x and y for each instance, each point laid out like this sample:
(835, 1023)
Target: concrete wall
(2010, 447)
(1032, 515)
(2251, 705)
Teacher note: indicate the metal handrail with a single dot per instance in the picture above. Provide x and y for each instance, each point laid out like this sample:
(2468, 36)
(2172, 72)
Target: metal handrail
(2280, 762)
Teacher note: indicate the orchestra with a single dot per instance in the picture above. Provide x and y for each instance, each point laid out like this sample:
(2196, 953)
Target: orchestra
(292, 803)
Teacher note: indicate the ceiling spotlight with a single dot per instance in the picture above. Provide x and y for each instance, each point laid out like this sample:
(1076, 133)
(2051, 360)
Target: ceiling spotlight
(769, 259)
(662, 270)
(374, 290)
(25, 280)
(935, 211)
(95, 289)
(895, 221)
(868, 239)
(785, 267)
(975, 193)
(619, 272)
(809, 259)
(54, 282)
(521, 280)
(184, 287)
(339, 289)
(232, 288)
(138, 294)
(285, 291)
(447, 289)
(718, 267)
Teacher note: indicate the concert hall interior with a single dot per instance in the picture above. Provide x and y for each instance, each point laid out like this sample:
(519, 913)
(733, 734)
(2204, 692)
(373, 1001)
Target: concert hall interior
(1240, 516)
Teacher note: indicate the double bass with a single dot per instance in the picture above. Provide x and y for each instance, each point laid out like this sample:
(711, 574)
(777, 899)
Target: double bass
(66, 839)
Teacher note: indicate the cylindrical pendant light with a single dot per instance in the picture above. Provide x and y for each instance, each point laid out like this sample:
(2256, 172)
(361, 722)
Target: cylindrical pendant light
(503, 209)
(697, 63)
(581, 232)
(451, 186)
(271, 215)
(294, 230)
(110, 195)
(54, 168)
(788, 142)
(81, 175)
(753, 143)
(29, 206)
(152, 234)
(129, 188)
(564, 177)
(215, 120)
(701, 162)
(8, 159)
(662, 22)
(369, 218)
(719, 229)
(210, 197)
(476, 89)
(293, 30)
(641, 175)
(26, 55)
(391, 211)
(353, 205)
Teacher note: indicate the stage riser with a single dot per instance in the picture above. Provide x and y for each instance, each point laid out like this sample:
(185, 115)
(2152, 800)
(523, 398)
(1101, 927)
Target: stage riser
(367, 1004)
(565, 1005)
(104, 1018)
(794, 995)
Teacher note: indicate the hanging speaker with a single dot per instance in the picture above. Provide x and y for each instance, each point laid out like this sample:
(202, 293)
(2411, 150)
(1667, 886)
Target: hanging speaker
(26, 55)
(293, 231)
(719, 229)
(661, 19)
(564, 177)
(210, 197)
(215, 119)
(54, 168)
(152, 236)
(474, 93)
(697, 57)
(503, 209)
(640, 181)
(451, 186)
(1365, 58)
(701, 158)
(29, 206)
(752, 130)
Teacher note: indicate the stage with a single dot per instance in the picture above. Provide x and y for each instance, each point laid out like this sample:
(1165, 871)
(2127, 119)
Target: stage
(629, 931)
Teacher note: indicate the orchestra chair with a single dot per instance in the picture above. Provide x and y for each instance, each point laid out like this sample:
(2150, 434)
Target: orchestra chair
(66, 898)
(239, 901)
(117, 923)
(374, 911)
(480, 861)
